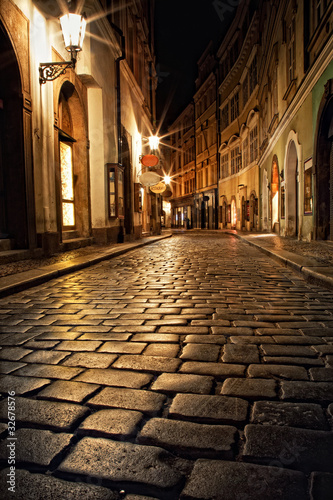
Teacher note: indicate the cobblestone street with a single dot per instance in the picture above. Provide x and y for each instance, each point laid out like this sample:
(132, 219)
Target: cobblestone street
(193, 368)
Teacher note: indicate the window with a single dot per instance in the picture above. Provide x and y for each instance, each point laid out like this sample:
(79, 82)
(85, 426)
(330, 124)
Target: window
(291, 49)
(225, 165)
(245, 149)
(245, 90)
(308, 199)
(225, 116)
(254, 144)
(253, 74)
(234, 107)
(67, 185)
(116, 191)
(236, 160)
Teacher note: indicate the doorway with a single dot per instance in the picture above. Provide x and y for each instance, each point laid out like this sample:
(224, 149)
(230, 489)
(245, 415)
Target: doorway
(324, 174)
(13, 201)
(292, 197)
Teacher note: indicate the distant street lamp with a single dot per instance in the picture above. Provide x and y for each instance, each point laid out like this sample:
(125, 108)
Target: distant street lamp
(73, 29)
(154, 142)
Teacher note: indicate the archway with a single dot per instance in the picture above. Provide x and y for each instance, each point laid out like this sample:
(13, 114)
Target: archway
(13, 202)
(275, 196)
(291, 167)
(73, 185)
(324, 171)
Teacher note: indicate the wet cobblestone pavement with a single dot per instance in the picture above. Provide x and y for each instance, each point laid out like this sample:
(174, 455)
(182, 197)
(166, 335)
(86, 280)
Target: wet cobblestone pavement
(195, 368)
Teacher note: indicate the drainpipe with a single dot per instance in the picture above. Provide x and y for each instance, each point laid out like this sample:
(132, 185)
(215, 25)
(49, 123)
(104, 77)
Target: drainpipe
(118, 89)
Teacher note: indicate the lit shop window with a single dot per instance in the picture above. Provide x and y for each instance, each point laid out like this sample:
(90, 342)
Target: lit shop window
(233, 213)
(67, 185)
(308, 198)
(116, 191)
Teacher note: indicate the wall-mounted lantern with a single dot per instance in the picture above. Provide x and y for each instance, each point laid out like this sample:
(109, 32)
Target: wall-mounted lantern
(73, 29)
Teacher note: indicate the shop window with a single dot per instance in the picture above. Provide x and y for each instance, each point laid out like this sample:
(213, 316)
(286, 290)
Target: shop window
(67, 185)
(116, 191)
(308, 196)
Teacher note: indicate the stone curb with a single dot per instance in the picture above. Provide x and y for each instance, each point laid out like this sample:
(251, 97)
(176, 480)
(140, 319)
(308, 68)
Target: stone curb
(315, 277)
(22, 281)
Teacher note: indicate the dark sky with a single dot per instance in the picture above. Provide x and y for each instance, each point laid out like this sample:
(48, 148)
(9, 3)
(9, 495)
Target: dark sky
(183, 29)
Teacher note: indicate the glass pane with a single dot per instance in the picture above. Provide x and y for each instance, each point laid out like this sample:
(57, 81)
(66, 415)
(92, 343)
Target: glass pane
(121, 193)
(112, 205)
(66, 172)
(68, 214)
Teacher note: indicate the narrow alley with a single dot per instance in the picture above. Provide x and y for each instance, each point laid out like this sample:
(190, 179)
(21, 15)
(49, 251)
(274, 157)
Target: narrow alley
(193, 368)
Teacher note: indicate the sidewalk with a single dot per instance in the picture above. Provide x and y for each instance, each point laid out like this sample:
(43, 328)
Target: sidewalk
(313, 260)
(20, 275)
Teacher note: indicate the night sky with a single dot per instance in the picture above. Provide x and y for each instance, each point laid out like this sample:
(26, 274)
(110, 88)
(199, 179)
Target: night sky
(183, 29)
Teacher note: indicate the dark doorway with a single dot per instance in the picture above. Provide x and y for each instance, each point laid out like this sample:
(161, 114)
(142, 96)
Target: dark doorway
(203, 215)
(324, 177)
(13, 210)
(127, 166)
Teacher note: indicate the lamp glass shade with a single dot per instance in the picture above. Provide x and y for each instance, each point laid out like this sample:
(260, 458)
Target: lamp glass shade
(73, 29)
(154, 142)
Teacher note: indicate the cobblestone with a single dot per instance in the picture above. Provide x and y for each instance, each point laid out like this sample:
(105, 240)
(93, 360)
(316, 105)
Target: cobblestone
(190, 438)
(37, 447)
(40, 487)
(75, 392)
(144, 401)
(118, 378)
(111, 424)
(304, 449)
(305, 415)
(184, 351)
(225, 480)
(44, 414)
(120, 462)
(217, 409)
(178, 382)
(153, 364)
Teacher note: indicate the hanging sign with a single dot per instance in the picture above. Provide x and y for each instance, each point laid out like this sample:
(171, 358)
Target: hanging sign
(149, 160)
(149, 178)
(158, 188)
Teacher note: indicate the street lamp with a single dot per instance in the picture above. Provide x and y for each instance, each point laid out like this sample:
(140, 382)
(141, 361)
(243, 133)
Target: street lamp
(73, 29)
(154, 141)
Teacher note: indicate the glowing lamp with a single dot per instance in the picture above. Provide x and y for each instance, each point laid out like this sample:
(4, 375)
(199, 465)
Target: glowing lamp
(73, 29)
(154, 142)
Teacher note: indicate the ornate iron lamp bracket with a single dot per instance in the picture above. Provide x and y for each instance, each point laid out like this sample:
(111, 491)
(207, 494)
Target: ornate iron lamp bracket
(50, 71)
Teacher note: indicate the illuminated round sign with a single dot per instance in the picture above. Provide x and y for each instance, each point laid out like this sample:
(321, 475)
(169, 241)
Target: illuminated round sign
(149, 179)
(158, 188)
(149, 160)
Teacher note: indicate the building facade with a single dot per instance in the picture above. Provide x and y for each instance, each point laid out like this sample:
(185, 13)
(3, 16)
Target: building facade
(274, 132)
(70, 148)
(239, 122)
(295, 100)
(206, 161)
(182, 170)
